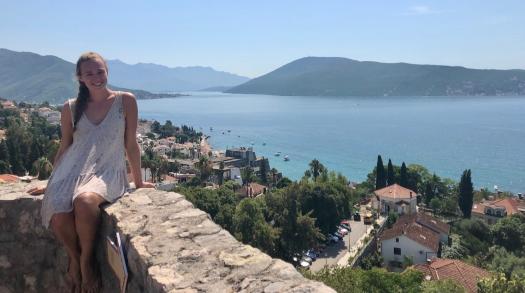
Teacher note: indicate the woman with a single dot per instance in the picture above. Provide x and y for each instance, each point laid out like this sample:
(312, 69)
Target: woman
(98, 127)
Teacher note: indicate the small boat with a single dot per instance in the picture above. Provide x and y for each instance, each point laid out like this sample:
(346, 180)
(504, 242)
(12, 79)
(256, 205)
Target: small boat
(277, 154)
(264, 143)
(252, 143)
(286, 158)
(229, 131)
(211, 128)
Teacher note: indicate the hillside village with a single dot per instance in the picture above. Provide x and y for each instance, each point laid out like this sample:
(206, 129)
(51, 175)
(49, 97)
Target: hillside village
(386, 225)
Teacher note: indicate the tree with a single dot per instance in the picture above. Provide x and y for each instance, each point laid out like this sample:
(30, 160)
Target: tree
(501, 284)
(205, 168)
(440, 286)
(403, 180)
(42, 168)
(316, 168)
(155, 127)
(390, 174)
(380, 173)
(466, 194)
(509, 232)
(264, 172)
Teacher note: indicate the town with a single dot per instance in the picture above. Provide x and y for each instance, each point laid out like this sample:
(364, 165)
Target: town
(402, 219)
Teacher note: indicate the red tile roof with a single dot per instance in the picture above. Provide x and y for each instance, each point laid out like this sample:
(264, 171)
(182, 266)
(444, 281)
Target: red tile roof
(395, 191)
(430, 222)
(253, 189)
(9, 178)
(463, 273)
(413, 231)
(509, 204)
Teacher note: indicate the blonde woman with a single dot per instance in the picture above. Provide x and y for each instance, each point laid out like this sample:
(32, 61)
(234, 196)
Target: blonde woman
(98, 130)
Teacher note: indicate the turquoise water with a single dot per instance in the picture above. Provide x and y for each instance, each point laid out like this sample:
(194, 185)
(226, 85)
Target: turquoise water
(445, 134)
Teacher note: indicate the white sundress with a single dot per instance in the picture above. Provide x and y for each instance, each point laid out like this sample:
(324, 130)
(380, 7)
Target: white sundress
(94, 162)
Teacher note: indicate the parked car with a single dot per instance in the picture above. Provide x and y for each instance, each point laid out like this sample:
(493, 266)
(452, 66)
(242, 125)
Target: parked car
(307, 258)
(346, 225)
(357, 217)
(339, 235)
(332, 238)
(343, 229)
(311, 254)
(304, 264)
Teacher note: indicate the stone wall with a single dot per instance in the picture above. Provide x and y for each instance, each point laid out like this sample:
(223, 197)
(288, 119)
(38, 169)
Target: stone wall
(171, 247)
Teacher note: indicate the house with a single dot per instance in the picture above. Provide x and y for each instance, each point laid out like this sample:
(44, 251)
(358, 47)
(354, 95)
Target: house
(396, 198)
(252, 190)
(492, 210)
(462, 273)
(162, 150)
(429, 222)
(413, 237)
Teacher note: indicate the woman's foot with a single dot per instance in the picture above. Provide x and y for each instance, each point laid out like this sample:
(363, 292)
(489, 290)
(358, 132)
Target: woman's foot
(73, 277)
(91, 281)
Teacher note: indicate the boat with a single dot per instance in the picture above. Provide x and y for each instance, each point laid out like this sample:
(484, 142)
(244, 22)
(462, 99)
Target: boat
(286, 158)
(264, 143)
(277, 154)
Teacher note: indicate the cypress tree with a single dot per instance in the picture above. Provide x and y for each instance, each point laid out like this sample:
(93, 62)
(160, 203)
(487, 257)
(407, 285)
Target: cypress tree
(403, 180)
(390, 174)
(4, 151)
(380, 173)
(466, 194)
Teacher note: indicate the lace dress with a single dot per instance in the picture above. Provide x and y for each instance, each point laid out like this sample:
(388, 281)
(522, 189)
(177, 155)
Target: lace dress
(94, 162)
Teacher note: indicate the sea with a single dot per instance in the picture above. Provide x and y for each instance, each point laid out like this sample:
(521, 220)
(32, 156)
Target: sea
(346, 134)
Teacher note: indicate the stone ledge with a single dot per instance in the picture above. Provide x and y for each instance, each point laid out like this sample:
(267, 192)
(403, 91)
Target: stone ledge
(171, 247)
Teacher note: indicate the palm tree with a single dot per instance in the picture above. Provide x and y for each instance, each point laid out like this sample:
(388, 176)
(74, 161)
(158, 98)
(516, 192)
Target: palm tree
(316, 168)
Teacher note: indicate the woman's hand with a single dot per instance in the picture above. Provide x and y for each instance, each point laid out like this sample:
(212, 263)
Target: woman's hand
(146, 185)
(37, 190)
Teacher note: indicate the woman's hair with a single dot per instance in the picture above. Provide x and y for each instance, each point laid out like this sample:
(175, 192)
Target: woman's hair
(83, 91)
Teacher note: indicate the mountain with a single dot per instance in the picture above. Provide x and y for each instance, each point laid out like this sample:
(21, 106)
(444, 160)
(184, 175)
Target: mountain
(334, 76)
(159, 78)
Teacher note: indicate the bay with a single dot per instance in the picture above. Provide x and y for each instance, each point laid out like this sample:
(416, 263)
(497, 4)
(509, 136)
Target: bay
(445, 134)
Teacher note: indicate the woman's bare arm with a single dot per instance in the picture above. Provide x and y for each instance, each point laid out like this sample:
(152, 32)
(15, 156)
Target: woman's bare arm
(130, 140)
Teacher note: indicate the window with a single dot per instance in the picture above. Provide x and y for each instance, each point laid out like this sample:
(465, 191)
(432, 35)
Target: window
(397, 251)
(397, 239)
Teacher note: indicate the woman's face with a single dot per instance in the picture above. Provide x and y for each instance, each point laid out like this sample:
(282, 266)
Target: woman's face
(94, 74)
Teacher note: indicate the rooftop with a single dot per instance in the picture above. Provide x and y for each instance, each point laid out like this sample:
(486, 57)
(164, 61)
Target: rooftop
(464, 274)
(395, 191)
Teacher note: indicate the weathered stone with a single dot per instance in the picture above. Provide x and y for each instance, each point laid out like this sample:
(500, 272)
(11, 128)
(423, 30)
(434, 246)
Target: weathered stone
(171, 247)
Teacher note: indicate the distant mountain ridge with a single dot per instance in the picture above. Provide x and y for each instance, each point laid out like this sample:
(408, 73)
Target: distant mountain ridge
(30, 77)
(160, 78)
(336, 76)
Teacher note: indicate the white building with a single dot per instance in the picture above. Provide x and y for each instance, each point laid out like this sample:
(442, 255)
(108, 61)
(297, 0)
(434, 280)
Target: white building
(412, 241)
(396, 198)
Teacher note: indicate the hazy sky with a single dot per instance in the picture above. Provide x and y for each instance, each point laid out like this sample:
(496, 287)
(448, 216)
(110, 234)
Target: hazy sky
(252, 38)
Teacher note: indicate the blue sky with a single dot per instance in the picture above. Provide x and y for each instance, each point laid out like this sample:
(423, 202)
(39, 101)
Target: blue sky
(252, 38)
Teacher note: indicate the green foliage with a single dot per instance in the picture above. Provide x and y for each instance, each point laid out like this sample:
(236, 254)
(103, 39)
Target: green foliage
(376, 280)
(455, 250)
(391, 219)
(371, 261)
(390, 175)
(475, 235)
(403, 177)
(42, 168)
(380, 173)
(466, 194)
(509, 232)
(501, 284)
(442, 286)
(505, 262)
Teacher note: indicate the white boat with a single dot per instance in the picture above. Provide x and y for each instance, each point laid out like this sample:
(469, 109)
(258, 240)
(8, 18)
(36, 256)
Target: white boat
(286, 158)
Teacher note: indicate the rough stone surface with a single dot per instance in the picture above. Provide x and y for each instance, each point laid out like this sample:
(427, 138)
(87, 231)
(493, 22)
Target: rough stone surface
(171, 247)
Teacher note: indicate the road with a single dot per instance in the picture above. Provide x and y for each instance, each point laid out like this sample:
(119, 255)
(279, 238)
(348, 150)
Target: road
(333, 253)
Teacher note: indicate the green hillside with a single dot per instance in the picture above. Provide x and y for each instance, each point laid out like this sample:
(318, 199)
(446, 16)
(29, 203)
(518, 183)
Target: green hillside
(30, 77)
(332, 76)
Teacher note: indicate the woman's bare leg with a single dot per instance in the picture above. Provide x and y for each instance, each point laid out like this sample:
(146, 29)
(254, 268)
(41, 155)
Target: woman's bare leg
(63, 226)
(87, 219)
